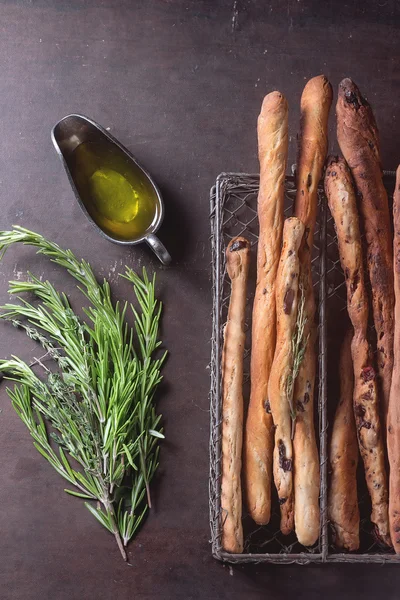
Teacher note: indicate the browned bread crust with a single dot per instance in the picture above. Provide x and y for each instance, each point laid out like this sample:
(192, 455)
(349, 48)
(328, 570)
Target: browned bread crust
(359, 141)
(316, 101)
(280, 392)
(315, 104)
(342, 203)
(343, 457)
(393, 430)
(273, 145)
(237, 261)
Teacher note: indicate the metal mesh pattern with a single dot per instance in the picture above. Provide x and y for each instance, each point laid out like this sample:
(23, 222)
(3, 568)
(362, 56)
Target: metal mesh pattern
(234, 212)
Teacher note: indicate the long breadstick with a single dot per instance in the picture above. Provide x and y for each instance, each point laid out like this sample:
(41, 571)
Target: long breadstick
(273, 145)
(343, 502)
(237, 261)
(342, 203)
(358, 140)
(316, 101)
(280, 391)
(393, 431)
(315, 105)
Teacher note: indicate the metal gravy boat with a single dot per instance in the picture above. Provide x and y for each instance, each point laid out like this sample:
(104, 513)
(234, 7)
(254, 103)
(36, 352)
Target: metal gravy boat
(74, 130)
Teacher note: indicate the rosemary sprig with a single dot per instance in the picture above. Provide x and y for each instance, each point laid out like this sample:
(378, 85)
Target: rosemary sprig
(95, 420)
(298, 349)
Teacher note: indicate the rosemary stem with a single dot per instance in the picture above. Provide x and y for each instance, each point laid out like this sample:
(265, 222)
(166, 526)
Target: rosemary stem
(120, 545)
(110, 509)
(148, 494)
(143, 464)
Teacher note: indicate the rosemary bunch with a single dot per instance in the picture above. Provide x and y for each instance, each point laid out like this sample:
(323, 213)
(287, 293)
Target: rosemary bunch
(94, 419)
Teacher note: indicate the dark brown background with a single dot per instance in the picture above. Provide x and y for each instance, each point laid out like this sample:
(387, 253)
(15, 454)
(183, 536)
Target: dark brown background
(181, 87)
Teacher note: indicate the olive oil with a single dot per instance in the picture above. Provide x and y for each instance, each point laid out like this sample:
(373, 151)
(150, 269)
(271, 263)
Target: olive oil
(115, 192)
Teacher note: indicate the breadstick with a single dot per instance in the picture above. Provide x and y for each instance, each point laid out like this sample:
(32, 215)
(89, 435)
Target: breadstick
(393, 431)
(280, 390)
(343, 502)
(342, 203)
(237, 261)
(272, 144)
(315, 105)
(358, 140)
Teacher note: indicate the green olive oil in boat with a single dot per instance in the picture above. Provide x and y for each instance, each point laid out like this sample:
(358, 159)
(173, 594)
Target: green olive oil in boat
(115, 192)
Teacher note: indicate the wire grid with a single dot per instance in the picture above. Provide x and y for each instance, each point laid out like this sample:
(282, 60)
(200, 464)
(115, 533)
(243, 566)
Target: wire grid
(233, 213)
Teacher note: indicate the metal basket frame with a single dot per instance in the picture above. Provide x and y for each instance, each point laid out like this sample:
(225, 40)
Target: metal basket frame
(226, 223)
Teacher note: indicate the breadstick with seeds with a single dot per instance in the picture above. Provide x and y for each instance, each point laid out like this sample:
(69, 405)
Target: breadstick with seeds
(280, 387)
(393, 430)
(237, 261)
(316, 101)
(343, 456)
(342, 203)
(272, 145)
(358, 139)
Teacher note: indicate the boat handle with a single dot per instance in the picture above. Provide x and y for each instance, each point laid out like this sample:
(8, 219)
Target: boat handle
(158, 248)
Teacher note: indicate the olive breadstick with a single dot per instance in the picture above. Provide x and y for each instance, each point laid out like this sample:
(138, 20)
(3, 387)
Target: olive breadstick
(280, 388)
(358, 139)
(237, 261)
(343, 457)
(393, 430)
(316, 101)
(272, 145)
(342, 203)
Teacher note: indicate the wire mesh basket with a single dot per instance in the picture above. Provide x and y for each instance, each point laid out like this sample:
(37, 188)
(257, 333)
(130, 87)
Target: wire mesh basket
(233, 204)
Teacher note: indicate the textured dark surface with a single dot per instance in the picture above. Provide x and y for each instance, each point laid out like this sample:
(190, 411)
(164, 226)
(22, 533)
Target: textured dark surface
(180, 83)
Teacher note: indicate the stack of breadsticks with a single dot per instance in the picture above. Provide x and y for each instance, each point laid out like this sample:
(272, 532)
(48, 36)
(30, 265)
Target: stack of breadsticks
(279, 442)
(279, 437)
(369, 392)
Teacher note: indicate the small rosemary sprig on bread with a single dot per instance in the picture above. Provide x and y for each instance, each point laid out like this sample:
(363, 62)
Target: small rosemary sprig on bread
(94, 419)
(298, 349)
